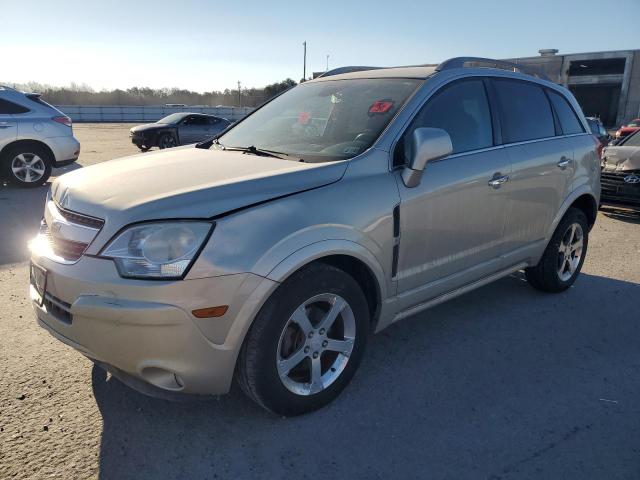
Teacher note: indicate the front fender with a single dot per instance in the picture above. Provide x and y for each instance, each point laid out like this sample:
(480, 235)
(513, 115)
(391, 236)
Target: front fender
(325, 248)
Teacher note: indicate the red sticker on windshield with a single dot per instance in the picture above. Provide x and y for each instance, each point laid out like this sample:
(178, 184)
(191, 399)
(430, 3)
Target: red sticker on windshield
(304, 117)
(381, 106)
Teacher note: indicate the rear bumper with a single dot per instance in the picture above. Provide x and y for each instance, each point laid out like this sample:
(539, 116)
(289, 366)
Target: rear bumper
(145, 329)
(65, 149)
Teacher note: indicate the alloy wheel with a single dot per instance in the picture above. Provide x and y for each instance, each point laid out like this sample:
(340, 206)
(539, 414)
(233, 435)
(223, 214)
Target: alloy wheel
(570, 251)
(28, 167)
(168, 141)
(315, 344)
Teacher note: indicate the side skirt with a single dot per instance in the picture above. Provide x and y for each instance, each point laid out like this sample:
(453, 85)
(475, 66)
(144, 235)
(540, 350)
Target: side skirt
(457, 292)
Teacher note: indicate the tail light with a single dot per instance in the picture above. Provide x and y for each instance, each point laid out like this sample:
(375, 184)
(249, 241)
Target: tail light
(63, 120)
(599, 145)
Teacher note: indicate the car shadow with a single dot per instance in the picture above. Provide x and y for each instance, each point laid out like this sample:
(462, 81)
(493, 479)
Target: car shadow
(624, 215)
(66, 169)
(504, 380)
(21, 210)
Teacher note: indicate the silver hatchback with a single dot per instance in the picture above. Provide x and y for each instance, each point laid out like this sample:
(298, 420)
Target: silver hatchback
(352, 201)
(34, 138)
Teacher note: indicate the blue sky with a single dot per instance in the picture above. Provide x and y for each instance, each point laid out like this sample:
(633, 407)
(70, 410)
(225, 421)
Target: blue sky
(211, 45)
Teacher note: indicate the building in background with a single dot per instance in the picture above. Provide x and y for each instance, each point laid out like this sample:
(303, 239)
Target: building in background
(606, 84)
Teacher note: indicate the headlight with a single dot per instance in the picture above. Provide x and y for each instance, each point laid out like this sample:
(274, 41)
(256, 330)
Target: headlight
(157, 250)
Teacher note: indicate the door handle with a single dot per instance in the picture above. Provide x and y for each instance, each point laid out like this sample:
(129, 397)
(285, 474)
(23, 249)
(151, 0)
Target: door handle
(496, 182)
(4, 125)
(564, 162)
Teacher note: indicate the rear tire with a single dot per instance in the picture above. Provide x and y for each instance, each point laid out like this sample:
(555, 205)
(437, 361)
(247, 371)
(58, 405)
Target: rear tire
(26, 166)
(562, 260)
(291, 367)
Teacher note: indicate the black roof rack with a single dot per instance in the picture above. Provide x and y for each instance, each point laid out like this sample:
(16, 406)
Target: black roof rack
(479, 62)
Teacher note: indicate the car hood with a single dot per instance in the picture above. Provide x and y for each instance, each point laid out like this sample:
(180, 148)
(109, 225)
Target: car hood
(185, 182)
(621, 158)
(150, 126)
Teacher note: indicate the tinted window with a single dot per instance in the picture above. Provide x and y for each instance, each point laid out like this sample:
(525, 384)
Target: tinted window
(526, 113)
(462, 110)
(568, 119)
(196, 120)
(8, 108)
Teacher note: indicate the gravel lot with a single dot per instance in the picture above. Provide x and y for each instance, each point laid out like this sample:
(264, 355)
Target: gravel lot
(504, 382)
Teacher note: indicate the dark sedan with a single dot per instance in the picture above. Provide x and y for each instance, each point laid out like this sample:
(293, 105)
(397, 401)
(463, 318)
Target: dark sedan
(177, 129)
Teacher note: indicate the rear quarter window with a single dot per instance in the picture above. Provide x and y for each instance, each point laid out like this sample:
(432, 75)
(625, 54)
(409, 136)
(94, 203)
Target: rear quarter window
(567, 116)
(525, 111)
(10, 108)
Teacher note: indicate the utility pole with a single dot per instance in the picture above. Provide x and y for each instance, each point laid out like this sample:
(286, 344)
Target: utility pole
(239, 95)
(327, 63)
(304, 62)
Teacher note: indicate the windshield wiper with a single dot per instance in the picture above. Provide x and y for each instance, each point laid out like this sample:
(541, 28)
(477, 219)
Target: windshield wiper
(253, 150)
(206, 144)
(263, 152)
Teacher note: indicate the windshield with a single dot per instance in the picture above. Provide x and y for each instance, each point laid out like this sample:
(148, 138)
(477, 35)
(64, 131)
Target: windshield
(173, 118)
(632, 140)
(323, 121)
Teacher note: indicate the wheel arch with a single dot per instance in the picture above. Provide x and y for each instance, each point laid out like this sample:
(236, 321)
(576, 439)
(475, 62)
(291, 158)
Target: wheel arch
(348, 256)
(29, 142)
(582, 198)
(587, 203)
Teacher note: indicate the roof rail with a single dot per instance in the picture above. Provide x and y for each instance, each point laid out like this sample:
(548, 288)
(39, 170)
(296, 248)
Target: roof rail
(471, 62)
(340, 70)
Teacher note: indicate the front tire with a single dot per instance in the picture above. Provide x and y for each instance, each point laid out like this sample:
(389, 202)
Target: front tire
(167, 140)
(562, 260)
(26, 166)
(306, 342)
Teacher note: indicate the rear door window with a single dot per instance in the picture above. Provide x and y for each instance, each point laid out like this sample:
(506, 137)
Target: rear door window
(567, 116)
(525, 111)
(10, 108)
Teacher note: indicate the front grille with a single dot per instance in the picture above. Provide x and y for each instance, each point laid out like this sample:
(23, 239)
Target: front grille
(66, 234)
(616, 190)
(57, 308)
(81, 219)
(67, 249)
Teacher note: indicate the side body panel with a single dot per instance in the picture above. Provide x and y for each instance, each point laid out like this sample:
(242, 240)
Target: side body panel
(538, 188)
(451, 224)
(8, 129)
(352, 216)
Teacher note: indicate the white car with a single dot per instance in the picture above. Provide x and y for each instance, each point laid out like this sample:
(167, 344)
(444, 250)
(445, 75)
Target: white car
(34, 138)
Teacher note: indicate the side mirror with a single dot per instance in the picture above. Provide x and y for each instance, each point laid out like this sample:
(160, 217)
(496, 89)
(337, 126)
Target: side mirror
(428, 144)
